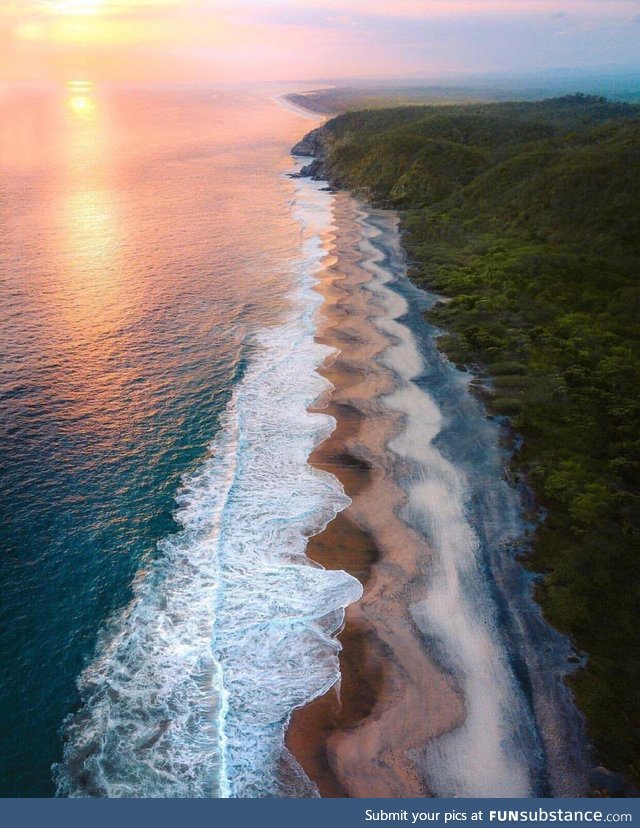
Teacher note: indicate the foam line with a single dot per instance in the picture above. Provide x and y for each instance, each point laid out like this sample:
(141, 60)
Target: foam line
(233, 626)
(495, 752)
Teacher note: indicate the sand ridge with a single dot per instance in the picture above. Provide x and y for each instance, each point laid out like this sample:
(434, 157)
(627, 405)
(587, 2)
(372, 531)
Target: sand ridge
(358, 740)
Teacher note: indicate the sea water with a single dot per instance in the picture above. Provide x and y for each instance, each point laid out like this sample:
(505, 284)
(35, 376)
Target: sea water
(160, 619)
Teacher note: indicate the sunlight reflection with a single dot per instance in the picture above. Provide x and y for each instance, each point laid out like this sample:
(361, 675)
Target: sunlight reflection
(80, 98)
(90, 216)
(90, 236)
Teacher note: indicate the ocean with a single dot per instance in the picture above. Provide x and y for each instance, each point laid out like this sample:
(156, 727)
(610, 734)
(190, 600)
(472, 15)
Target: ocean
(156, 268)
(162, 325)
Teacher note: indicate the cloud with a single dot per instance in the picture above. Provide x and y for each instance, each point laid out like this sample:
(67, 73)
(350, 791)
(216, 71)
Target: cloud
(264, 39)
(443, 9)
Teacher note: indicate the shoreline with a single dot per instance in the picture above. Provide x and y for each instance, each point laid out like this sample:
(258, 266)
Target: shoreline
(376, 733)
(463, 244)
(353, 741)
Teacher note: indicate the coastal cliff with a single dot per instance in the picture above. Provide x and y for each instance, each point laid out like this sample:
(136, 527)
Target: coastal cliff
(313, 145)
(526, 217)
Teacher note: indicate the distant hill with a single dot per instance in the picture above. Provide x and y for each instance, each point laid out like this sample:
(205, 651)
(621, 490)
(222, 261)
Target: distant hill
(623, 86)
(527, 215)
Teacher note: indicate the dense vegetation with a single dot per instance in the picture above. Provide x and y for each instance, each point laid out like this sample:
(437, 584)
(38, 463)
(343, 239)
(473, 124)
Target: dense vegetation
(527, 215)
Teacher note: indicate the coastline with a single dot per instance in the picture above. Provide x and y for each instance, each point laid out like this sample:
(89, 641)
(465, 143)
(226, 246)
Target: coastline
(376, 732)
(353, 741)
(482, 246)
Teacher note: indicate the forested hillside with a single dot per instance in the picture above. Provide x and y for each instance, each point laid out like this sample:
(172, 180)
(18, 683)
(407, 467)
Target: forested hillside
(527, 215)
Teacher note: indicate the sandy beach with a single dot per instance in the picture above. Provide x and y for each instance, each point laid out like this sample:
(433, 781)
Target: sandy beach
(451, 681)
(357, 740)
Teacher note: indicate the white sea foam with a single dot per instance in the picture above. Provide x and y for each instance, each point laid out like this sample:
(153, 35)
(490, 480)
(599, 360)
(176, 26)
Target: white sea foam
(232, 627)
(492, 752)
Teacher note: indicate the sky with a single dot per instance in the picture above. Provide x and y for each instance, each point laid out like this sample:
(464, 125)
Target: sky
(284, 40)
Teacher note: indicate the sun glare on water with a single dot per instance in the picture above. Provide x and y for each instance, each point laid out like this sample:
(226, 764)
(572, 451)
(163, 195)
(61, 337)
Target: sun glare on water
(80, 97)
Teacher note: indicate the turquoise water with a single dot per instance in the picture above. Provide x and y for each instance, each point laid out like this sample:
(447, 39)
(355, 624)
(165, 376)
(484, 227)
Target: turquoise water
(160, 619)
(148, 247)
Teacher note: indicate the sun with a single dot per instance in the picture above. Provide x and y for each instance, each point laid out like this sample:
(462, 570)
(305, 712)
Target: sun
(75, 7)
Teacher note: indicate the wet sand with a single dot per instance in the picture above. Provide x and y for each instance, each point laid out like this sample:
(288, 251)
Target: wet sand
(358, 739)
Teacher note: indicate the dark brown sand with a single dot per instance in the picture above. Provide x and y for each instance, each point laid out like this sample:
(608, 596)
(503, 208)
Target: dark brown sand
(357, 740)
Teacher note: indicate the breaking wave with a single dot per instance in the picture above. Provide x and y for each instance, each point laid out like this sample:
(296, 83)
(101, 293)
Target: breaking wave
(232, 626)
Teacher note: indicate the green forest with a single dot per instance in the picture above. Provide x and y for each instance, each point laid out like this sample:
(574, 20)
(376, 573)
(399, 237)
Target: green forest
(526, 217)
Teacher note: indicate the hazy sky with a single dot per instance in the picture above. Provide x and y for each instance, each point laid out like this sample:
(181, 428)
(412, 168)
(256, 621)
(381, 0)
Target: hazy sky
(230, 40)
